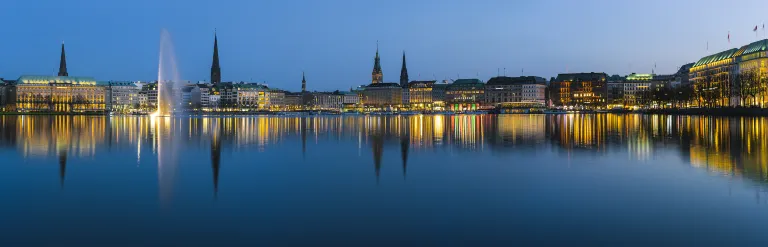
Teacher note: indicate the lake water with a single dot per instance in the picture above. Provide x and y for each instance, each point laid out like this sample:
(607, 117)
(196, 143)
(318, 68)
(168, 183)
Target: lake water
(471, 180)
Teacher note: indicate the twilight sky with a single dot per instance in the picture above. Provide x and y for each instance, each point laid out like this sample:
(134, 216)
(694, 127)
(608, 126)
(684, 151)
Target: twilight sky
(334, 41)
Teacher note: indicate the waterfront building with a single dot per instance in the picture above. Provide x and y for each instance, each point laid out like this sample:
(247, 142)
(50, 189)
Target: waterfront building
(439, 95)
(276, 99)
(332, 101)
(60, 94)
(293, 101)
(580, 90)
(418, 95)
(251, 96)
(350, 98)
(465, 95)
(751, 86)
(381, 96)
(713, 77)
(148, 97)
(201, 96)
(637, 90)
(513, 90)
(123, 96)
(615, 94)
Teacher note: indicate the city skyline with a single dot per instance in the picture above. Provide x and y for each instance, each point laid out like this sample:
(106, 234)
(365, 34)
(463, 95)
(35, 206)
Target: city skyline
(336, 52)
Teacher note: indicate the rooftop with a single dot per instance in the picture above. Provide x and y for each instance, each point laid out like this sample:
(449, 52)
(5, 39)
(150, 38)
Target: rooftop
(384, 84)
(467, 81)
(755, 47)
(504, 80)
(41, 79)
(581, 77)
(716, 57)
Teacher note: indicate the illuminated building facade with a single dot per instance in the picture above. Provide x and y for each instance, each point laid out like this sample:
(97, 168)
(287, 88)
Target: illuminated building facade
(293, 101)
(326, 101)
(751, 87)
(60, 94)
(123, 96)
(148, 97)
(712, 79)
(580, 90)
(525, 89)
(382, 95)
(465, 95)
(418, 95)
(637, 90)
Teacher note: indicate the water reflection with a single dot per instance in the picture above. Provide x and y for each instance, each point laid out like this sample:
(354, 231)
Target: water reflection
(724, 146)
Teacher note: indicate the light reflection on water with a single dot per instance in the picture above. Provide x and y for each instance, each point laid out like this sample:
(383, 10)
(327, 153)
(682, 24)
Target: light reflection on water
(432, 152)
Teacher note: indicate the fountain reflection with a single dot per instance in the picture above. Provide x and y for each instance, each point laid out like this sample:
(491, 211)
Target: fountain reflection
(721, 146)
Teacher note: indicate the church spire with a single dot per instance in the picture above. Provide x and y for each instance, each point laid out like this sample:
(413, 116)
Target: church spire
(377, 75)
(303, 82)
(63, 62)
(404, 74)
(215, 69)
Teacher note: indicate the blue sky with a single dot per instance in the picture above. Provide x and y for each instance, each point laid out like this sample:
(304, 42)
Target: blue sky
(334, 41)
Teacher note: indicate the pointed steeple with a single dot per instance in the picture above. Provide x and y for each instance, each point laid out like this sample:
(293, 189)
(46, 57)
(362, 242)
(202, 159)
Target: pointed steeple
(377, 75)
(63, 62)
(303, 82)
(404, 74)
(215, 69)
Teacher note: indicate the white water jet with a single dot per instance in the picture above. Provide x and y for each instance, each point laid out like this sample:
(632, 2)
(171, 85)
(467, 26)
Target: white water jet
(168, 79)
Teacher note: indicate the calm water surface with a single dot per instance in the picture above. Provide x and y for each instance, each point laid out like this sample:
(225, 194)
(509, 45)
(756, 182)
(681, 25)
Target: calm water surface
(616, 180)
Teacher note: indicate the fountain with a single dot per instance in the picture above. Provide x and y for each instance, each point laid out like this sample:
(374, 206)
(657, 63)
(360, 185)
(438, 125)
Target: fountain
(168, 101)
(168, 79)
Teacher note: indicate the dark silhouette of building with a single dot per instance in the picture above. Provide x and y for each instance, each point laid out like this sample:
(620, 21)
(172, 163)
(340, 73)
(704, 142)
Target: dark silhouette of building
(377, 75)
(303, 82)
(215, 69)
(404, 74)
(63, 62)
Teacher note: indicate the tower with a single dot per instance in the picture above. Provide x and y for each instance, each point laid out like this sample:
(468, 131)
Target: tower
(63, 62)
(377, 75)
(215, 69)
(404, 74)
(303, 82)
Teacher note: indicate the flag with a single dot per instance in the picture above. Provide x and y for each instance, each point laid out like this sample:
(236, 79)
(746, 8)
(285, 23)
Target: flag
(755, 30)
(729, 39)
